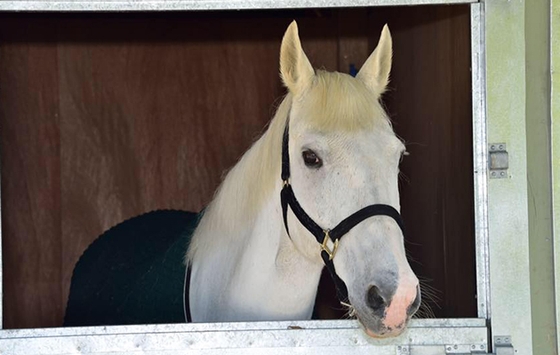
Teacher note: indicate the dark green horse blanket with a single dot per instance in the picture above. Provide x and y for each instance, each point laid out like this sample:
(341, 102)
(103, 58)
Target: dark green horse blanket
(134, 273)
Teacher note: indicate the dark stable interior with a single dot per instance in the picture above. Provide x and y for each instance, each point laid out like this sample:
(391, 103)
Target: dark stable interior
(106, 116)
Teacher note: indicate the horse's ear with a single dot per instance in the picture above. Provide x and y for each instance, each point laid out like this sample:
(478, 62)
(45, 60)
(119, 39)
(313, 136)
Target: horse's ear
(376, 69)
(295, 69)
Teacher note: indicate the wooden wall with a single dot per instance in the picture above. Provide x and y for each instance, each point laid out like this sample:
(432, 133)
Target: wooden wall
(432, 110)
(106, 116)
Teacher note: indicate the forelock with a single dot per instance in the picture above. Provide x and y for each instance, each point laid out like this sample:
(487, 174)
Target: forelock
(339, 102)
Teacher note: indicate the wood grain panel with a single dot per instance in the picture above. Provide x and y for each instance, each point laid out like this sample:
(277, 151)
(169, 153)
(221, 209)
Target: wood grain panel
(353, 39)
(104, 117)
(151, 111)
(161, 121)
(430, 102)
(30, 148)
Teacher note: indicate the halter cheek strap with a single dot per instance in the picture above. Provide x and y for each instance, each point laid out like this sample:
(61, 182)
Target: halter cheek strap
(324, 236)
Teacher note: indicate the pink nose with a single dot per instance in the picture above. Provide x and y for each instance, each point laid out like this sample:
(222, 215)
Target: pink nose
(392, 310)
(404, 304)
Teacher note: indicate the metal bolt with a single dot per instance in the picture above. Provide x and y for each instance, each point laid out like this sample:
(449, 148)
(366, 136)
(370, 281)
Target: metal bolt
(493, 147)
(501, 147)
(454, 346)
(502, 174)
(482, 346)
(473, 346)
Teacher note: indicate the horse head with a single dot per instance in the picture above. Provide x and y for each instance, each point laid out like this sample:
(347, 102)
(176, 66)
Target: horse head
(343, 157)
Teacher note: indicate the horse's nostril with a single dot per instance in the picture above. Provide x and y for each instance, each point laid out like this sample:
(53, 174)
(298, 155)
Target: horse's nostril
(374, 299)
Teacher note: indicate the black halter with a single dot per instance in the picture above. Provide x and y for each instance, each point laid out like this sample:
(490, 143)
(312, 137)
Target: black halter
(323, 235)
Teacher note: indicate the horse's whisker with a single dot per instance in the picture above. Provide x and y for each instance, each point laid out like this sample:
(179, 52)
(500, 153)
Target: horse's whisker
(350, 310)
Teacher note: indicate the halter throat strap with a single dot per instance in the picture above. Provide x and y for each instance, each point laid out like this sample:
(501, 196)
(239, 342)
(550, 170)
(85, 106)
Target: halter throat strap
(326, 236)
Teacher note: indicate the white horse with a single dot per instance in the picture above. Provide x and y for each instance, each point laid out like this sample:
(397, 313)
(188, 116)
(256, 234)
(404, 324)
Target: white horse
(340, 156)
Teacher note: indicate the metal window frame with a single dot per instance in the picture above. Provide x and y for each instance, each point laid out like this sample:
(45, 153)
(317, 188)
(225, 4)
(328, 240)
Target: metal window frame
(309, 337)
(432, 336)
(175, 5)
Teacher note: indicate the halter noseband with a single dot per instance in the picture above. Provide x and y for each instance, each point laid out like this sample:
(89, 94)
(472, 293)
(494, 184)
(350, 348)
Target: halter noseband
(323, 236)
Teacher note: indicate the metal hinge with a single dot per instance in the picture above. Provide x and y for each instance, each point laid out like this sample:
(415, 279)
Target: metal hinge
(455, 349)
(502, 346)
(498, 161)
(466, 349)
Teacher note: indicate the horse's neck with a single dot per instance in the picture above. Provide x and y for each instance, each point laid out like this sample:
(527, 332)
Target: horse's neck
(263, 279)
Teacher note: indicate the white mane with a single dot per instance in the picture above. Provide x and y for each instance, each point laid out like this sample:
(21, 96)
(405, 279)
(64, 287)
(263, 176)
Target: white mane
(243, 191)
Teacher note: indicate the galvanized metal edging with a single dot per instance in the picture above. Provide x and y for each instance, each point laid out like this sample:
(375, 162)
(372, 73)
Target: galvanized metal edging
(480, 160)
(505, 39)
(330, 337)
(179, 5)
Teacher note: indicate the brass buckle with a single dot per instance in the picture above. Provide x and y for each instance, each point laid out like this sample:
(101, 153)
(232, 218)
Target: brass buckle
(325, 247)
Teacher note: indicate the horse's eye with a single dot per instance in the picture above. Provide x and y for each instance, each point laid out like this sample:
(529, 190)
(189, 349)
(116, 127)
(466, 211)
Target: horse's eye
(311, 159)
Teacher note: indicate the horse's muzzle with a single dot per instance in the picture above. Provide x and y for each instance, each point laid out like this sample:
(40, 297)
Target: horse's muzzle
(390, 315)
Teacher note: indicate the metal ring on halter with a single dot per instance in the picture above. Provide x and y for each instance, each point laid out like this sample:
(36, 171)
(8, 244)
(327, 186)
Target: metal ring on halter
(325, 247)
